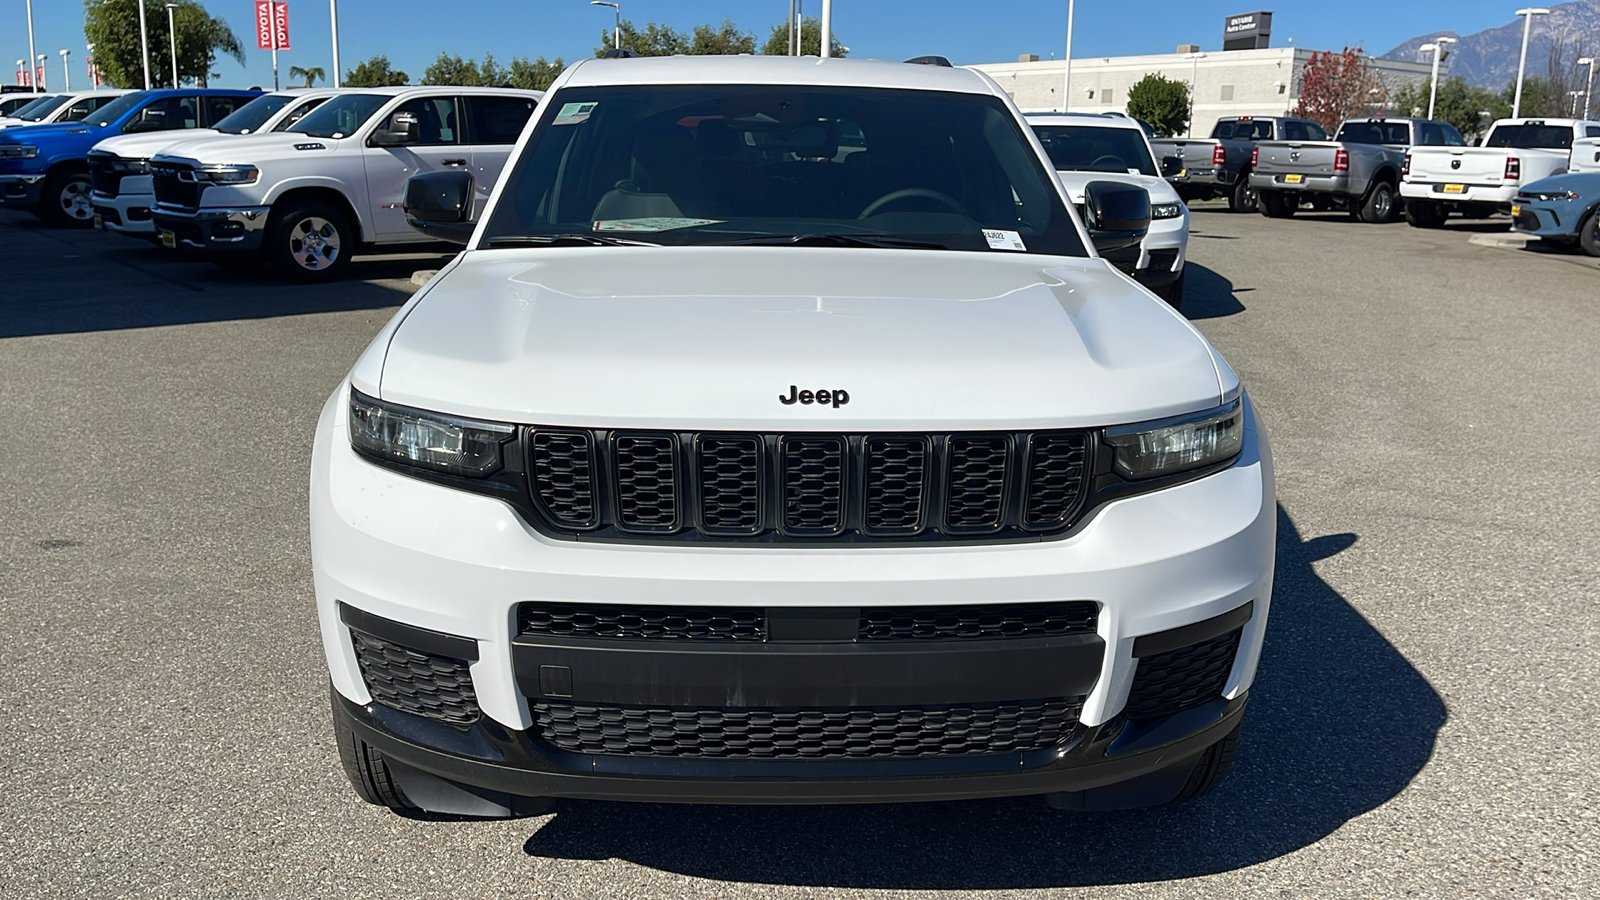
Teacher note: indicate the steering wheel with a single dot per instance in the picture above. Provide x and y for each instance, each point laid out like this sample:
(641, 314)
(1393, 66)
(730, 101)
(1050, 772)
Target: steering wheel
(906, 193)
(1110, 158)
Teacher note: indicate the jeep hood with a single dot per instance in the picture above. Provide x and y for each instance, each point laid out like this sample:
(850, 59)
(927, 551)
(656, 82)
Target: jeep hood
(1074, 181)
(709, 338)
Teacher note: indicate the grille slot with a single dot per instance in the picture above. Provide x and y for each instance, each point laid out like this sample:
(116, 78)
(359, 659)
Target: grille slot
(1010, 620)
(977, 729)
(710, 623)
(895, 485)
(102, 176)
(646, 468)
(563, 474)
(422, 684)
(1181, 679)
(977, 488)
(813, 485)
(170, 189)
(730, 474)
(1056, 466)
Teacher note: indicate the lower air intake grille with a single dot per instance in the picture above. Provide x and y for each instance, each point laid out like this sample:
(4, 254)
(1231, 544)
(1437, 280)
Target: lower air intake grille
(643, 622)
(942, 623)
(423, 684)
(1182, 679)
(859, 733)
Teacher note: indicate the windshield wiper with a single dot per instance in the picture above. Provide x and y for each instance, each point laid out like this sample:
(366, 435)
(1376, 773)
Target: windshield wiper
(838, 240)
(552, 240)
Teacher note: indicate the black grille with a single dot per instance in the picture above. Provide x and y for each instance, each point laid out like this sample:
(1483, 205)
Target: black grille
(1528, 219)
(851, 733)
(647, 622)
(644, 485)
(170, 189)
(423, 684)
(1182, 679)
(1011, 620)
(105, 179)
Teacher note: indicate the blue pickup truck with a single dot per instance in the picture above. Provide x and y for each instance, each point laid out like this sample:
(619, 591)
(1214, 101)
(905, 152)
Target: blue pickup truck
(44, 168)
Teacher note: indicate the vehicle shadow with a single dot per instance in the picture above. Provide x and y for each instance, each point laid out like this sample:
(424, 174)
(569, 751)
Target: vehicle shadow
(1339, 724)
(1207, 294)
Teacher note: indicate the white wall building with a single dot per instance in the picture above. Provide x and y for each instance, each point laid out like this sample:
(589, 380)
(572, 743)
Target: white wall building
(1232, 83)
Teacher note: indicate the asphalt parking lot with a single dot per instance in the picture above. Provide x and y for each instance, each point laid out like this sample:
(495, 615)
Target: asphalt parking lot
(1425, 724)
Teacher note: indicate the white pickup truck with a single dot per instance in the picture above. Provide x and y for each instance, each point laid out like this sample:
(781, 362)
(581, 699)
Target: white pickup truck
(304, 200)
(119, 167)
(1479, 181)
(51, 108)
(1585, 156)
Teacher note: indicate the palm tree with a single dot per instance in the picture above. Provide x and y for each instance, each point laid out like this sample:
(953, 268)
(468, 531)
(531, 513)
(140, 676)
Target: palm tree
(310, 75)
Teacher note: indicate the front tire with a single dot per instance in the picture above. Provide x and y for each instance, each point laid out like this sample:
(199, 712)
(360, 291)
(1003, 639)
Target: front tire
(310, 242)
(368, 770)
(1380, 204)
(1212, 767)
(1589, 235)
(1243, 197)
(65, 200)
(1274, 205)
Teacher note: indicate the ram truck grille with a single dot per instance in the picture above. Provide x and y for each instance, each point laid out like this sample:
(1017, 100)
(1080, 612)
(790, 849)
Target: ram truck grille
(174, 185)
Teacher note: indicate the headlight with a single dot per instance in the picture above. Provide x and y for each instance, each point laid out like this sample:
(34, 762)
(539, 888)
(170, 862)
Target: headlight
(130, 166)
(1167, 446)
(219, 174)
(1548, 196)
(427, 440)
(18, 151)
(1166, 210)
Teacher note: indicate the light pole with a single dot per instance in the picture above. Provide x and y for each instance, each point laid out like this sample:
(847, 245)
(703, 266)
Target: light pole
(22, 71)
(1194, 73)
(44, 81)
(827, 27)
(66, 73)
(1522, 63)
(616, 32)
(1066, 77)
(1438, 51)
(333, 17)
(1587, 61)
(1574, 95)
(144, 44)
(32, 79)
(172, 33)
(94, 74)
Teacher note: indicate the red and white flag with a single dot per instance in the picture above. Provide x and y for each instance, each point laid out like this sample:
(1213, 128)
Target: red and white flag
(272, 25)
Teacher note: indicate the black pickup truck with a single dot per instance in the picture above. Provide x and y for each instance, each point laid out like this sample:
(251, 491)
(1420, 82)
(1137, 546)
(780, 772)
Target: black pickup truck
(1219, 166)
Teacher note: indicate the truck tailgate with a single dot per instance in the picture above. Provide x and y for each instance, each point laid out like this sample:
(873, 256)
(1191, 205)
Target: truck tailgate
(1291, 158)
(1196, 153)
(1459, 165)
(1585, 156)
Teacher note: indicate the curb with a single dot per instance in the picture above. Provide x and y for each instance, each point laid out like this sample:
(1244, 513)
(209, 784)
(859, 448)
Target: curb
(420, 277)
(1507, 241)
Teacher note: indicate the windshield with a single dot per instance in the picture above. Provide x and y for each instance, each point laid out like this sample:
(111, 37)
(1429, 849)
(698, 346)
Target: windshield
(1374, 133)
(341, 116)
(1550, 137)
(702, 164)
(249, 118)
(1087, 148)
(41, 107)
(113, 111)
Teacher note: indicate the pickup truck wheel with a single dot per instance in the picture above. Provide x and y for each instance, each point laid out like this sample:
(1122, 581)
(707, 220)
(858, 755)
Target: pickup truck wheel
(1379, 206)
(1589, 235)
(1425, 214)
(1274, 205)
(310, 242)
(65, 200)
(1243, 197)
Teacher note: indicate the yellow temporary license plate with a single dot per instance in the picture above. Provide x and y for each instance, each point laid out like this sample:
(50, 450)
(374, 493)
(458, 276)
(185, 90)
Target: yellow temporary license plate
(99, 222)
(168, 239)
(1292, 179)
(1455, 189)
(1182, 173)
(1516, 210)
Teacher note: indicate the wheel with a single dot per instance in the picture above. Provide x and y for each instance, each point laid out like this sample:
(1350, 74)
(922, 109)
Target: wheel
(1274, 205)
(368, 771)
(310, 241)
(1379, 206)
(1589, 235)
(1425, 214)
(65, 200)
(1172, 293)
(1243, 197)
(1212, 767)
(1171, 784)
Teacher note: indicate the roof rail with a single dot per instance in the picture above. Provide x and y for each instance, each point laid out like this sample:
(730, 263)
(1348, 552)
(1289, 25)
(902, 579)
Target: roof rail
(619, 53)
(929, 61)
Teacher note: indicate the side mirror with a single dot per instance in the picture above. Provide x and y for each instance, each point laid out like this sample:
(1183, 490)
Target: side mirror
(1171, 166)
(440, 205)
(402, 128)
(1116, 214)
(149, 120)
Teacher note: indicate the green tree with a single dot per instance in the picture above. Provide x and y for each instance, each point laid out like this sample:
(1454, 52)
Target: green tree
(311, 74)
(375, 72)
(1539, 98)
(1457, 102)
(810, 40)
(725, 40)
(113, 27)
(452, 69)
(535, 75)
(1162, 102)
(654, 40)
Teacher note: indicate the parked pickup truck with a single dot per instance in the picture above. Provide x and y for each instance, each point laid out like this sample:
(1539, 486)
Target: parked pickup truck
(1480, 181)
(1359, 170)
(48, 108)
(1585, 156)
(1219, 166)
(306, 199)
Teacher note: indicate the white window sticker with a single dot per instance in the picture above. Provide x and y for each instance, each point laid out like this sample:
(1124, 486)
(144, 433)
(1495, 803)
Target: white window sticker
(1003, 240)
(655, 223)
(573, 113)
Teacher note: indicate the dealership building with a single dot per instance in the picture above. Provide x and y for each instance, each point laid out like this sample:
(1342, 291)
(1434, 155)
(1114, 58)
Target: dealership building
(1254, 79)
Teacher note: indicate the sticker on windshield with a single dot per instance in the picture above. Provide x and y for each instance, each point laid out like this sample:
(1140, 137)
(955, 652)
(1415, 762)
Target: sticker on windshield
(1003, 240)
(573, 113)
(652, 223)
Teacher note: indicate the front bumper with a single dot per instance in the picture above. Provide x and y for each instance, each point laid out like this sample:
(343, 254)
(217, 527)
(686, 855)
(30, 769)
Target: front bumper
(21, 191)
(1558, 220)
(445, 571)
(1313, 184)
(125, 213)
(1489, 194)
(238, 230)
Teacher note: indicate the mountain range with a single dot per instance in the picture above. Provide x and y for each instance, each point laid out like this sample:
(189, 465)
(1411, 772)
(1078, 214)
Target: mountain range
(1488, 58)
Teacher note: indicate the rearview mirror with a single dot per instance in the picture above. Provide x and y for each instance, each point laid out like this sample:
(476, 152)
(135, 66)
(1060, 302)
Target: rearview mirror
(148, 120)
(440, 205)
(1171, 166)
(1116, 214)
(402, 128)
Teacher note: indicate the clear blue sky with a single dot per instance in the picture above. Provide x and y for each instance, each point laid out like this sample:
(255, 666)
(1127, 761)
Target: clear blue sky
(413, 32)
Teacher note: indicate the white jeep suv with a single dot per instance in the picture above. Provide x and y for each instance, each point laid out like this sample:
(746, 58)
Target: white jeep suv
(306, 199)
(779, 436)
